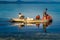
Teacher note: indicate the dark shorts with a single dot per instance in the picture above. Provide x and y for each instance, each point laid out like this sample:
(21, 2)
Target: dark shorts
(50, 20)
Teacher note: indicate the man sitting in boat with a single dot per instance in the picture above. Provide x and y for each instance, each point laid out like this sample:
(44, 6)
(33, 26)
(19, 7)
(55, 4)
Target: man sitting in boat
(46, 16)
(21, 16)
(38, 17)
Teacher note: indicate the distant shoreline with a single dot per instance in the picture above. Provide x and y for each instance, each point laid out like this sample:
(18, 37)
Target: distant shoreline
(22, 2)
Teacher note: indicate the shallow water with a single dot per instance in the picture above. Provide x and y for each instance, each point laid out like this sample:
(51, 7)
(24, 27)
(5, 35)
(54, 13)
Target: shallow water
(14, 31)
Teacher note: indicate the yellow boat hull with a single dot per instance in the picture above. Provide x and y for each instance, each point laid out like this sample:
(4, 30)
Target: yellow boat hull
(28, 21)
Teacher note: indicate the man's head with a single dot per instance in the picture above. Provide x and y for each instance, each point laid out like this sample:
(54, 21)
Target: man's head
(44, 14)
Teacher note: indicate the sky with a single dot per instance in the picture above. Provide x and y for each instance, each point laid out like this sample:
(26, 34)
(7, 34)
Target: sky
(34, 0)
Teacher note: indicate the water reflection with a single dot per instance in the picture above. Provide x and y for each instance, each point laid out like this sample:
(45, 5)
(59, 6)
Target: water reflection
(21, 34)
(19, 24)
(44, 25)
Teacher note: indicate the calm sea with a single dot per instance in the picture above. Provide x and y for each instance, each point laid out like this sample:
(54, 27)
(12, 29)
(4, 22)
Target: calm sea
(14, 31)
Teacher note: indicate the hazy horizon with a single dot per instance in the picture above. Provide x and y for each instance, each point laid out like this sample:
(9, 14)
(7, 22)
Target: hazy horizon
(34, 0)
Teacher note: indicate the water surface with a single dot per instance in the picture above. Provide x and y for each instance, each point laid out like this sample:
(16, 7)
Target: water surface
(11, 31)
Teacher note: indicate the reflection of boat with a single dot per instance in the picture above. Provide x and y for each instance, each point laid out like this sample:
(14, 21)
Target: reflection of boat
(27, 21)
(14, 24)
(45, 25)
(30, 24)
(18, 24)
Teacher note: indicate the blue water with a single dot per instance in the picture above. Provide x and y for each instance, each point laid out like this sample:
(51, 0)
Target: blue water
(8, 31)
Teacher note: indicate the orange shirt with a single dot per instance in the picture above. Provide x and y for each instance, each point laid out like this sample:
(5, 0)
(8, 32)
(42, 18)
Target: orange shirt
(47, 17)
(44, 18)
(38, 17)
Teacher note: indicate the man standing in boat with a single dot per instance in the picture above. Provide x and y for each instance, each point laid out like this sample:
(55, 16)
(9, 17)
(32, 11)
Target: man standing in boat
(46, 16)
(21, 16)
